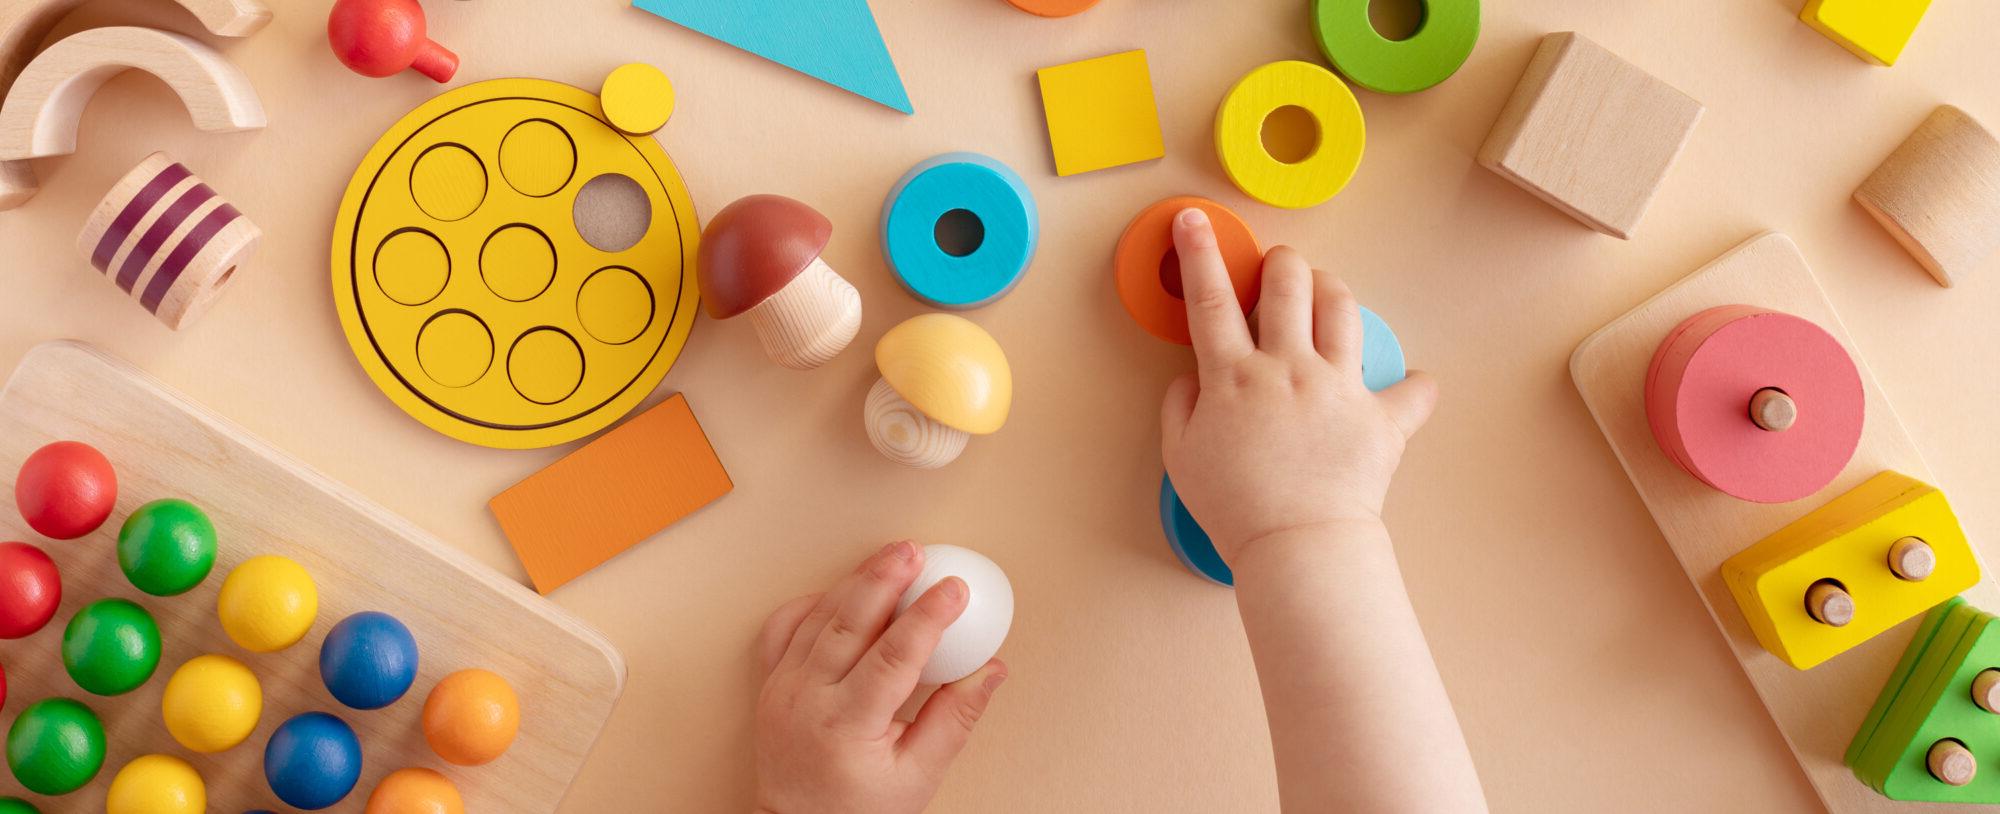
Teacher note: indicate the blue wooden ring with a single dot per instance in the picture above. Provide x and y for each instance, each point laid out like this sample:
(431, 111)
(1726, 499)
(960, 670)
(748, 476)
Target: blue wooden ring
(989, 190)
(1382, 365)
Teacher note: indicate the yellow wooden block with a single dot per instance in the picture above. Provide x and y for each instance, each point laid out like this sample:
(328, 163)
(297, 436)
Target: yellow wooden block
(1847, 542)
(1336, 144)
(1875, 30)
(1101, 113)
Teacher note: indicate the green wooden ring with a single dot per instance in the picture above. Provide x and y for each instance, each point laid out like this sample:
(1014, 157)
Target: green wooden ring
(1443, 40)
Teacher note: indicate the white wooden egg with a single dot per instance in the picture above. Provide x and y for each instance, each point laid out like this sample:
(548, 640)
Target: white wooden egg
(989, 611)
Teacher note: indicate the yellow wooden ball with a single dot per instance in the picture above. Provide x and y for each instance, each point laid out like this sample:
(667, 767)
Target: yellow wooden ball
(267, 603)
(212, 703)
(156, 784)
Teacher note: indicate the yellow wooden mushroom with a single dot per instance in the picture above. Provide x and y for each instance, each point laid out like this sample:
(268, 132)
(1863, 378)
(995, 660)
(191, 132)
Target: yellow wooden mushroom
(943, 381)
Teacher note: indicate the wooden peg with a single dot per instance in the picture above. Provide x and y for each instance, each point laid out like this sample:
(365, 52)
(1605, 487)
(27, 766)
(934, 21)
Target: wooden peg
(1829, 604)
(1950, 762)
(1772, 410)
(1912, 559)
(1986, 689)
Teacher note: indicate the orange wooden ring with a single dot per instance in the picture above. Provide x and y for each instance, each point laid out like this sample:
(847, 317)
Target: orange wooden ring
(1053, 8)
(1144, 247)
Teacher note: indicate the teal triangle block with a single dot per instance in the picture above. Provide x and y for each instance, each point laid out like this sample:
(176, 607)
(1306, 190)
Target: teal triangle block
(834, 41)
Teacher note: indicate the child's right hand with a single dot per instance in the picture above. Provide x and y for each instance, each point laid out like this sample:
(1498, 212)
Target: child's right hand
(1276, 438)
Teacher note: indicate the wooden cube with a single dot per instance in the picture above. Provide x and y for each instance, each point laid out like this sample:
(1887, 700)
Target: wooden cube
(1939, 194)
(1590, 133)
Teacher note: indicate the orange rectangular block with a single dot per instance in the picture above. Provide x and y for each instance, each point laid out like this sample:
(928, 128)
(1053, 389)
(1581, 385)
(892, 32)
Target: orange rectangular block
(613, 493)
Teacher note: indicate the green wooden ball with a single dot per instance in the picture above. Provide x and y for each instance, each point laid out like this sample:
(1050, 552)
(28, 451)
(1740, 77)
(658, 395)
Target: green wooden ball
(166, 547)
(111, 647)
(16, 805)
(55, 746)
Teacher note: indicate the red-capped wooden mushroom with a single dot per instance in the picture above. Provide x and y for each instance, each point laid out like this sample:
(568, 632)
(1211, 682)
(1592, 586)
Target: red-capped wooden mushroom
(761, 255)
(382, 37)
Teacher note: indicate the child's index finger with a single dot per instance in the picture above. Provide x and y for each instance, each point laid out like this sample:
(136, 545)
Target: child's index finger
(1215, 317)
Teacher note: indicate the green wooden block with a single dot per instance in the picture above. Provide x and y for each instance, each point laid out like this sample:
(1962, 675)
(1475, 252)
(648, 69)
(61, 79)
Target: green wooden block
(1926, 630)
(1919, 693)
(1951, 713)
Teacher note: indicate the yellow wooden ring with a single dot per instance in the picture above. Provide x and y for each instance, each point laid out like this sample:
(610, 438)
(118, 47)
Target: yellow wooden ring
(1239, 129)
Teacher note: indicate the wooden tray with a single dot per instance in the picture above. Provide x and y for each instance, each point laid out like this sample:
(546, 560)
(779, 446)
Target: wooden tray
(1817, 710)
(362, 557)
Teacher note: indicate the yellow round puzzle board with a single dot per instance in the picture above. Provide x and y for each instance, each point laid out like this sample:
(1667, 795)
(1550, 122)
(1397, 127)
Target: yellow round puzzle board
(467, 292)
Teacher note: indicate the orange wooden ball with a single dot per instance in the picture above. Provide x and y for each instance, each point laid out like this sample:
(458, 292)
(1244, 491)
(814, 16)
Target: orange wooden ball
(471, 717)
(415, 791)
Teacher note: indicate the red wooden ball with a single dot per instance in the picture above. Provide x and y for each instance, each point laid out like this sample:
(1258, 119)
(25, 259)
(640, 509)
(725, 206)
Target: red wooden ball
(383, 37)
(30, 590)
(66, 490)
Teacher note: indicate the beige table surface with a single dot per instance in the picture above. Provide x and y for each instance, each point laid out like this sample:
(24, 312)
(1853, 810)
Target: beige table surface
(1584, 669)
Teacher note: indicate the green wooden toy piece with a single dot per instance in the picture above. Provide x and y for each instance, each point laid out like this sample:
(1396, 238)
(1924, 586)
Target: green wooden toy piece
(1926, 631)
(55, 746)
(1440, 45)
(1917, 695)
(16, 805)
(111, 647)
(1950, 712)
(166, 547)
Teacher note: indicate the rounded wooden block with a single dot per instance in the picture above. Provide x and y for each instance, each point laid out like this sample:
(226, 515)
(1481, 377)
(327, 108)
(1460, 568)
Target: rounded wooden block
(1829, 604)
(1938, 194)
(1986, 689)
(1239, 134)
(1144, 274)
(46, 101)
(1706, 372)
(167, 239)
(1772, 410)
(949, 368)
(1053, 8)
(904, 434)
(1912, 559)
(995, 198)
(466, 289)
(1951, 763)
(638, 98)
(1428, 56)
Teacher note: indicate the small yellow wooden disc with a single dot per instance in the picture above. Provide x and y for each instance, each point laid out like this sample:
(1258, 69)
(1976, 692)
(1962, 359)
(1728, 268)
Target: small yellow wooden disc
(638, 98)
(465, 287)
(1325, 170)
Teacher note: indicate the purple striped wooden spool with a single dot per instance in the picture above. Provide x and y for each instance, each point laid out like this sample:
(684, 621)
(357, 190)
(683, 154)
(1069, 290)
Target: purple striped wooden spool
(167, 239)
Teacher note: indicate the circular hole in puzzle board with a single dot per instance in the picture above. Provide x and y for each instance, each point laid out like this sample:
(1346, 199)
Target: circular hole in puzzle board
(612, 213)
(518, 262)
(615, 305)
(455, 348)
(537, 158)
(959, 232)
(411, 266)
(448, 182)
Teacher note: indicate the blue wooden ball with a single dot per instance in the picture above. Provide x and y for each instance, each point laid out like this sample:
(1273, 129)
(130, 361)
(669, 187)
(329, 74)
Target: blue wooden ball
(312, 761)
(368, 660)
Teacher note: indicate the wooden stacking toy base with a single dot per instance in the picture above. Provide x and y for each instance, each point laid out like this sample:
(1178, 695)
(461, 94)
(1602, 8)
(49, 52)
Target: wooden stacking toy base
(809, 321)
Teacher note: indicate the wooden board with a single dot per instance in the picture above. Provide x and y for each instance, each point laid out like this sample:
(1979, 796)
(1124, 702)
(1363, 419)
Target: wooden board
(1817, 710)
(363, 558)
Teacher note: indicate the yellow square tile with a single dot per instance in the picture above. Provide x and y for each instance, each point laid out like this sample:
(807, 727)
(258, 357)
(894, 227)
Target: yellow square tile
(1101, 113)
(1875, 30)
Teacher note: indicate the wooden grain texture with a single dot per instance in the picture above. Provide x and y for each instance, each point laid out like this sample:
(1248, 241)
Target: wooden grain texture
(1938, 194)
(361, 557)
(1819, 710)
(1590, 133)
(809, 321)
(612, 494)
(46, 100)
(165, 237)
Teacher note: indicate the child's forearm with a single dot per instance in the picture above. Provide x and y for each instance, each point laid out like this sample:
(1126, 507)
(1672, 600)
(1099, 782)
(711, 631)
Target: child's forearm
(1359, 717)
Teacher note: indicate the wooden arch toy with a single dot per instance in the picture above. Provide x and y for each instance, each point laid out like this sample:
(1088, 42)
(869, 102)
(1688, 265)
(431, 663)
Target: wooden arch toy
(42, 109)
(25, 23)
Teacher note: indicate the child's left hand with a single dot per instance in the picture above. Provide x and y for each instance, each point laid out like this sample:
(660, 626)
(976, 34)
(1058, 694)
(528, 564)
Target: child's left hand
(839, 669)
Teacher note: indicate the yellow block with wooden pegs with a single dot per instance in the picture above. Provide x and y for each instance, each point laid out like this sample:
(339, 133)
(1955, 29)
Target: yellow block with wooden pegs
(1875, 30)
(1882, 553)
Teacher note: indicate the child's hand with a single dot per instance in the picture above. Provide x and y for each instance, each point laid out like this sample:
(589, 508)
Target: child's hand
(827, 736)
(1278, 434)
